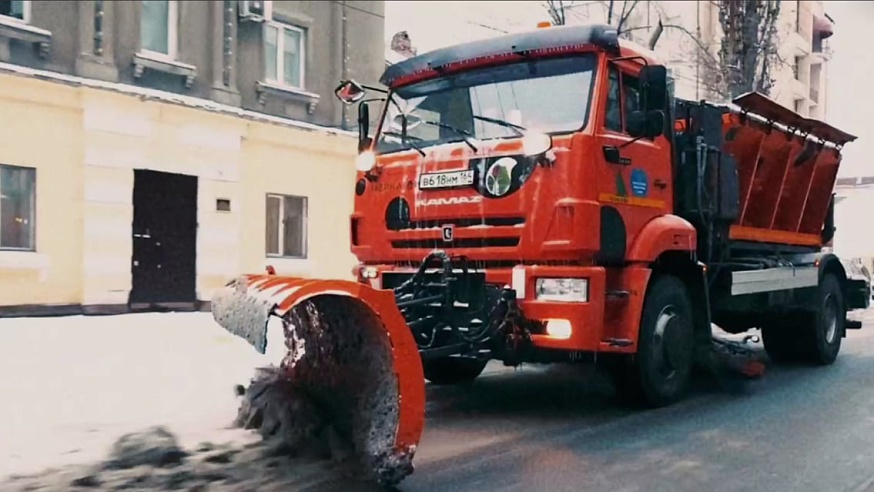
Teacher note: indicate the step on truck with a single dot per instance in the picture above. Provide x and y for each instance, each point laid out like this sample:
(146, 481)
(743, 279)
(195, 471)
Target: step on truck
(543, 197)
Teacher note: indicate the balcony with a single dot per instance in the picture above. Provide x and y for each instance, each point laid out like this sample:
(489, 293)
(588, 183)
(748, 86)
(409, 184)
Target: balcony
(823, 28)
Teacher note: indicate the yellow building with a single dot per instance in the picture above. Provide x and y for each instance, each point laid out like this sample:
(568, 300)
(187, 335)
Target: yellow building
(114, 197)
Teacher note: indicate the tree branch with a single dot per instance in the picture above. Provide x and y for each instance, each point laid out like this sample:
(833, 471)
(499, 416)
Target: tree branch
(626, 14)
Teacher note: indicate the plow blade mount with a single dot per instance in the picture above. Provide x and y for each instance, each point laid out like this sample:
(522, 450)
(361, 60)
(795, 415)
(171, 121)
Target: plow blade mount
(350, 353)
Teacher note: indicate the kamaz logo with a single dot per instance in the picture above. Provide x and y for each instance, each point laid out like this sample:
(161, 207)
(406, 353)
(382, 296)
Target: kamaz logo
(455, 200)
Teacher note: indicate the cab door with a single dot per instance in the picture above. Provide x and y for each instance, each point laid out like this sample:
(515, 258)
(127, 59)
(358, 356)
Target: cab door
(634, 179)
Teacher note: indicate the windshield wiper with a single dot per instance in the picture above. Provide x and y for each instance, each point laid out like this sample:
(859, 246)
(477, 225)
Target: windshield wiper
(465, 135)
(506, 124)
(405, 139)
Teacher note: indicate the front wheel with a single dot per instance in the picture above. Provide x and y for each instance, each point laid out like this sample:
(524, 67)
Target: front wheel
(453, 370)
(658, 374)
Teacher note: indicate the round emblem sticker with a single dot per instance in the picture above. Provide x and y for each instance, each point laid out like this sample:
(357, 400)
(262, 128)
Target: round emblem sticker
(499, 177)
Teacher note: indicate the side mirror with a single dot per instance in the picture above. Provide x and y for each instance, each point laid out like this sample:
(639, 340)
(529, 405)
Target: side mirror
(349, 92)
(649, 124)
(654, 87)
(364, 139)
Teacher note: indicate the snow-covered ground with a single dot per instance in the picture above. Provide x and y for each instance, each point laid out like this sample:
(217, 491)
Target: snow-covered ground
(70, 386)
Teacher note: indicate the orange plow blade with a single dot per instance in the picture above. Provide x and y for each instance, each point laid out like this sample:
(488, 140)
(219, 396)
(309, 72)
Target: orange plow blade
(349, 351)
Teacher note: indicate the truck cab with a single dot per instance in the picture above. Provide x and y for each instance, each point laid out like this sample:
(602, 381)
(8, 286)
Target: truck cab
(502, 153)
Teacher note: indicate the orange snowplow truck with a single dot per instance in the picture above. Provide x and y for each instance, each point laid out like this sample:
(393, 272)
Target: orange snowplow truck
(542, 197)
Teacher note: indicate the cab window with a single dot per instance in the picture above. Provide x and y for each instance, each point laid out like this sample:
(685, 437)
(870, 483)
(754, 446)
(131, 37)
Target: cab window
(623, 98)
(613, 118)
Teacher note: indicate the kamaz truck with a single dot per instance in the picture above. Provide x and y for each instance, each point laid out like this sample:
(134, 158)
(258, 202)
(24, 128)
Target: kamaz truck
(543, 197)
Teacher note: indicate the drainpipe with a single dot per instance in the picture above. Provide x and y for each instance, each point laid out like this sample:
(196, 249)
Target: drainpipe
(344, 62)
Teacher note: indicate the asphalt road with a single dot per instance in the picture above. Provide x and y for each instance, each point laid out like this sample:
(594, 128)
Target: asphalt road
(72, 385)
(799, 429)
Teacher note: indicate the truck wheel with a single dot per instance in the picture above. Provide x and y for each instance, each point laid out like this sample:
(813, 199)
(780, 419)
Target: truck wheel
(821, 338)
(780, 341)
(453, 370)
(658, 374)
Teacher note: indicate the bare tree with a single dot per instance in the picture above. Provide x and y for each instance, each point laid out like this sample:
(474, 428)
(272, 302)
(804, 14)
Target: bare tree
(748, 50)
(745, 58)
(556, 9)
(617, 13)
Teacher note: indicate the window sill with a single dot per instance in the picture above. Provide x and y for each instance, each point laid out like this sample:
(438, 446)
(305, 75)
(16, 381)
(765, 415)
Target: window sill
(12, 28)
(264, 88)
(158, 63)
(289, 266)
(23, 260)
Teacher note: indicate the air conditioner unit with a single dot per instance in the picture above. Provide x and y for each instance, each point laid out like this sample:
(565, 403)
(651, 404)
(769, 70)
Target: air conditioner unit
(254, 10)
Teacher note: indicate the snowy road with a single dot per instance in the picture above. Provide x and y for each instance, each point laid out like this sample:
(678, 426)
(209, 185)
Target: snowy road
(71, 386)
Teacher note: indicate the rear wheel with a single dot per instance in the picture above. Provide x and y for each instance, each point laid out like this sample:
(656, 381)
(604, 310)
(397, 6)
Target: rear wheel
(780, 341)
(812, 337)
(453, 370)
(658, 374)
(821, 340)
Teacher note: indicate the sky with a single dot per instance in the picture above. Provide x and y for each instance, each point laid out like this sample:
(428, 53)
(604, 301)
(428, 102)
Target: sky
(433, 24)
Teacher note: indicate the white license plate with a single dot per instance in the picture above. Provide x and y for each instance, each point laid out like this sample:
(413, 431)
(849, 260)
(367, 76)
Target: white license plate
(446, 180)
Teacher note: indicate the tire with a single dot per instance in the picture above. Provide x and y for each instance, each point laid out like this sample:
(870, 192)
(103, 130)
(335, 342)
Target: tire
(658, 375)
(453, 370)
(781, 342)
(821, 339)
(810, 337)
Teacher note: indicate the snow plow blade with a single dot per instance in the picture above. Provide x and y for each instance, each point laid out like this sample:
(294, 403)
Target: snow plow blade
(350, 353)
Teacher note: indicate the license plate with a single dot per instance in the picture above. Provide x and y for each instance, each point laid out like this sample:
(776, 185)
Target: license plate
(446, 180)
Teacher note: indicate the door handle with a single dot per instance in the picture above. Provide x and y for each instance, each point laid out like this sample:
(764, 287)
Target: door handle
(660, 184)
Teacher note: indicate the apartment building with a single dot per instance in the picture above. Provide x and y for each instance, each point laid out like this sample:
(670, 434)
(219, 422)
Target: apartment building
(153, 149)
(278, 57)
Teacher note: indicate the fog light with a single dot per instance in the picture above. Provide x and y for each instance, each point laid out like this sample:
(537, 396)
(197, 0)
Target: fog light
(558, 328)
(562, 289)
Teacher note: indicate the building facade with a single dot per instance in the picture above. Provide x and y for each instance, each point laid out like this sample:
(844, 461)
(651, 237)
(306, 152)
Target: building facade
(145, 162)
(278, 57)
(854, 200)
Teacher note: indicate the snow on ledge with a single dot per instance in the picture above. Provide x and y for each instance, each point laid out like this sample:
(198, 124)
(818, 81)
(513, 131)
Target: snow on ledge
(169, 97)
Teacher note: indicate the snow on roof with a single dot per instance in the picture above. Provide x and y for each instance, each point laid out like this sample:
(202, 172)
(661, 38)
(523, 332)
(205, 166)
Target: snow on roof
(169, 97)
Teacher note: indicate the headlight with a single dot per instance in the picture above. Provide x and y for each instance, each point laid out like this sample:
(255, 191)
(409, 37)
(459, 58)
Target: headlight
(369, 272)
(365, 161)
(562, 289)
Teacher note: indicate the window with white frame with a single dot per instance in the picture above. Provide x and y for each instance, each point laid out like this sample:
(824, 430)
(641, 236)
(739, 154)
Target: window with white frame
(17, 208)
(15, 9)
(284, 47)
(158, 27)
(286, 234)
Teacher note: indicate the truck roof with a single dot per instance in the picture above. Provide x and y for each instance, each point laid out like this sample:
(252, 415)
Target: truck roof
(567, 37)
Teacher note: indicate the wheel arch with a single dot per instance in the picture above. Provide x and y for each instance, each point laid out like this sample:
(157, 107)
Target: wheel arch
(666, 233)
(830, 263)
(684, 266)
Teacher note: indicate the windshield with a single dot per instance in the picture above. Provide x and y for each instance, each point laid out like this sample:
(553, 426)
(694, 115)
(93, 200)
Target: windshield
(547, 95)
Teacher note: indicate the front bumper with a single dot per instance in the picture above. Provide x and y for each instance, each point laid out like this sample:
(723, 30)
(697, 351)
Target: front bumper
(597, 325)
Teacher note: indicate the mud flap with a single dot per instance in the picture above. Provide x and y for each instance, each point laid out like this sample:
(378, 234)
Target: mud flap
(350, 353)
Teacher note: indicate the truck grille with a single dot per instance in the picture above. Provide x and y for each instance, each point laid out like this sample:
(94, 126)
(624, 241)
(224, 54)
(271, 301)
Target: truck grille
(493, 242)
(406, 225)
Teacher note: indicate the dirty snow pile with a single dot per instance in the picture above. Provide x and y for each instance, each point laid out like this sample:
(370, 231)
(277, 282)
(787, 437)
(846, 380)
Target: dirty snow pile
(153, 460)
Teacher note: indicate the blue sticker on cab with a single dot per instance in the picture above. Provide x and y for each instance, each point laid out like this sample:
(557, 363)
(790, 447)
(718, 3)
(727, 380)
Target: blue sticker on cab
(639, 182)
